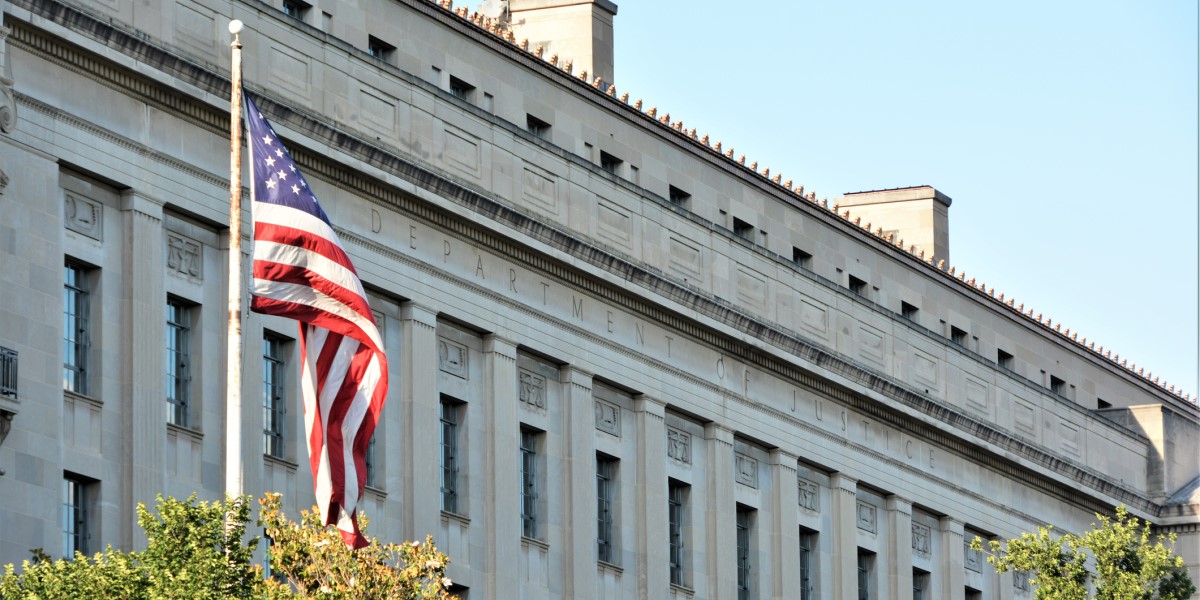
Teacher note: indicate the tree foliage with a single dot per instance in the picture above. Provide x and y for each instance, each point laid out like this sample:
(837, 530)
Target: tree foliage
(310, 560)
(1119, 559)
(200, 550)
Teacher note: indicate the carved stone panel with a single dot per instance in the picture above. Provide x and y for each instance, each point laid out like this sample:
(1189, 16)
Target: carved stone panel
(866, 516)
(972, 559)
(185, 256)
(82, 215)
(746, 470)
(533, 389)
(920, 539)
(1021, 581)
(608, 417)
(452, 358)
(810, 498)
(679, 445)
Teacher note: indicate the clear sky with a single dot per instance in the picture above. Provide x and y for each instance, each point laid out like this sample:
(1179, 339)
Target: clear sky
(1065, 132)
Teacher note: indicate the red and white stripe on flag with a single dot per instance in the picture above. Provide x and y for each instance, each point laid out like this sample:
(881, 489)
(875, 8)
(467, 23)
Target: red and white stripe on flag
(302, 272)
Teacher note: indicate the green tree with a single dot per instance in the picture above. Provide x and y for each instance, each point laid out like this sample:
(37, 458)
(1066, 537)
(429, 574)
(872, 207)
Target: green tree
(1119, 559)
(200, 550)
(310, 560)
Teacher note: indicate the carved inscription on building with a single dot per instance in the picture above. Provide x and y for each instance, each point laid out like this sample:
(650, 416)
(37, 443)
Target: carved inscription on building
(679, 445)
(608, 417)
(972, 559)
(1021, 581)
(866, 516)
(746, 470)
(809, 494)
(184, 256)
(452, 358)
(83, 216)
(533, 389)
(920, 539)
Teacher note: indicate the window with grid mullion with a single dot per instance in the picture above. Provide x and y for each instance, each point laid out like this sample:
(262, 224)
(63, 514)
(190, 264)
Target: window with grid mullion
(529, 484)
(604, 516)
(274, 406)
(179, 331)
(449, 441)
(675, 531)
(75, 329)
(74, 517)
(743, 554)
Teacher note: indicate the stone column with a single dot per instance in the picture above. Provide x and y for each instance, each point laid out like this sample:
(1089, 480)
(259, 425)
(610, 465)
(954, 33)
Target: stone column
(721, 514)
(143, 412)
(502, 515)
(785, 535)
(843, 503)
(418, 440)
(899, 550)
(579, 482)
(653, 560)
(951, 561)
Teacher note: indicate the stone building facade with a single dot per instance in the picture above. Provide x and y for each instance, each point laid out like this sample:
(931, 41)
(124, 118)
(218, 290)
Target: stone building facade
(624, 363)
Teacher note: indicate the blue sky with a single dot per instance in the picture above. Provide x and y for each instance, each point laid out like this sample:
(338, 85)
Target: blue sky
(1065, 132)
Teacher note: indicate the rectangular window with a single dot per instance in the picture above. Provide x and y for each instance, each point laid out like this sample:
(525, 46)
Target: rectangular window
(8, 372)
(537, 127)
(76, 327)
(678, 196)
(866, 574)
(179, 362)
(972, 594)
(372, 460)
(449, 442)
(274, 403)
(529, 483)
(745, 518)
(958, 336)
(808, 548)
(1004, 359)
(858, 286)
(610, 163)
(76, 518)
(908, 311)
(920, 584)
(676, 499)
(461, 88)
(1058, 386)
(801, 258)
(743, 229)
(380, 49)
(606, 470)
(296, 9)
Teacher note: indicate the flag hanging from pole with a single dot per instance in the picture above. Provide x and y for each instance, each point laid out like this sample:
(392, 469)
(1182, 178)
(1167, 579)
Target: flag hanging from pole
(301, 272)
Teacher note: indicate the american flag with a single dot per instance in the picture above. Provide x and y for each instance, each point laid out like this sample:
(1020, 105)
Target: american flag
(302, 272)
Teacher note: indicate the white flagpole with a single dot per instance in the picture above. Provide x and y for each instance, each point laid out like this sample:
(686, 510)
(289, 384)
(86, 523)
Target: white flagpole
(233, 373)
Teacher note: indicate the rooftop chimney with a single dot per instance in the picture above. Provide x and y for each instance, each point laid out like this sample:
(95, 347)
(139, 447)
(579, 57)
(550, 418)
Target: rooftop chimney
(576, 30)
(918, 215)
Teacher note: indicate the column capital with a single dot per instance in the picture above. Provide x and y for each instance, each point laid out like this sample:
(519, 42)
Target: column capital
(898, 503)
(952, 526)
(495, 344)
(781, 457)
(138, 201)
(718, 432)
(649, 404)
(844, 482)
(575, 375)
(411, 311)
